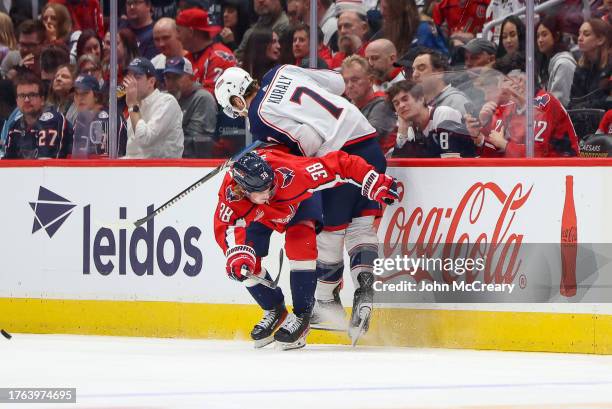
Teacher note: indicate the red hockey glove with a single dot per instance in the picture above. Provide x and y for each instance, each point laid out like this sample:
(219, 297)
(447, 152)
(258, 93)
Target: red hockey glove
(237, 258)
(380, 187)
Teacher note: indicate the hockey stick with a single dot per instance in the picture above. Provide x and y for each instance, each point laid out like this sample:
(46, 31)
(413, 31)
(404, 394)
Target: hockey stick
(198, 183)
(266, 282)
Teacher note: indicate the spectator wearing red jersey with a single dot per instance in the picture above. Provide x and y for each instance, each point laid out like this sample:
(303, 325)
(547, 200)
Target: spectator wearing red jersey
(209, 59)
(500, 129)
(85, 14)
(358, 78)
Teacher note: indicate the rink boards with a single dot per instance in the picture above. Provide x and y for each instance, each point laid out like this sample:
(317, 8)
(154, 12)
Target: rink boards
(71, 264)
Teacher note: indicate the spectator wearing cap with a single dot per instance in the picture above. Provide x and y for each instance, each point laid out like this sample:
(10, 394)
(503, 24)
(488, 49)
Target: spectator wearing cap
(382, 56)
(166, 38)
(209, 59)
(358, 80)
(429, 69)
(235, 22)
(155, 118)
(353, 32)
(91, 124)
(479, 53)
(272, 16)
(198, 105)
(140, 22)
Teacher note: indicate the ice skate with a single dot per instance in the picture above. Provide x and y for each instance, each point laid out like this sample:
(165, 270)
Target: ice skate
(263, 332)
(329, 314)
(292, 334)
(363, 304)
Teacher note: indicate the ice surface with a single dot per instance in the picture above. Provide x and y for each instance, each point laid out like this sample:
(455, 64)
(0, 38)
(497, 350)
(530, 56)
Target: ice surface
(114, 372)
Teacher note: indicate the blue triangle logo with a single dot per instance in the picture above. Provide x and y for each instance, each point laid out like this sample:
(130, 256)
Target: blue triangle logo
(50, 211)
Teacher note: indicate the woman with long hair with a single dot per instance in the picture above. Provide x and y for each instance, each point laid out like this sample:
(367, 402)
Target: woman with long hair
(58, 23)
(8, 42)
(61, 94)
(555, 65)
(512, 37)
(400, 23)
(235, 22)
(262, 52)
(591, 85)
(89, 43)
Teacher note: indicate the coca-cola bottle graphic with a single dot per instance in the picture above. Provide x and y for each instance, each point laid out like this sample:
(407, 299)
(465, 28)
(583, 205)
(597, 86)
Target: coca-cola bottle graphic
(569, 241)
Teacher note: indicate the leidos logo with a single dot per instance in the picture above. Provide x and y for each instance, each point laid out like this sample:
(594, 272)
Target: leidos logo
(50, 211)
(146, 250)
(105, 247)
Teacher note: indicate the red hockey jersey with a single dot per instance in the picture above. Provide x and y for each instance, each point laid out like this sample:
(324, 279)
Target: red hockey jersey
(296, 178)
(605, 126)
(461, 15)
(553, 130)
(210, 63)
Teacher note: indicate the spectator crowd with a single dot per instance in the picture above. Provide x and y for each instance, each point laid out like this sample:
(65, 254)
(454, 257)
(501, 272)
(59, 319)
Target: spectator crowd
(432, 77)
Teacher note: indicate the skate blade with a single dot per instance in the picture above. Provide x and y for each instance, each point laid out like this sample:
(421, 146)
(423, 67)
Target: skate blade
(356, 332)
(260, 343)
(287, 346)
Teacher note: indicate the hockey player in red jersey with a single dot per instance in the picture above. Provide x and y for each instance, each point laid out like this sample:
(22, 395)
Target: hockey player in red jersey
(500, 130)
(304, 110)
(272, 190)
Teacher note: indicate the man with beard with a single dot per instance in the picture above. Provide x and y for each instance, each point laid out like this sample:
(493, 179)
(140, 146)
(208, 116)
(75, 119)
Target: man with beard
(381, 55)
(198, 106)
(353, 31)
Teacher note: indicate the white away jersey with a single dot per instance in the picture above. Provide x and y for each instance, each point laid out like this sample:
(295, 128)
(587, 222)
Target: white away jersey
(303, 109)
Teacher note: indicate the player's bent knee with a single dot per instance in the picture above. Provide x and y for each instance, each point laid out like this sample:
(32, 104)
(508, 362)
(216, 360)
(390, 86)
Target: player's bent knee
(301, 242)
(361, 231)
(331, 246)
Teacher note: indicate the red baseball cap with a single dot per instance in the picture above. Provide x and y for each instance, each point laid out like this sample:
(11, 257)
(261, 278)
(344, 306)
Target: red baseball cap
(197, 19)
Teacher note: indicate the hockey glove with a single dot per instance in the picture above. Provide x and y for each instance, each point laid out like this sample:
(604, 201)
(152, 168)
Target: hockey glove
(237, 258)
(380, 187)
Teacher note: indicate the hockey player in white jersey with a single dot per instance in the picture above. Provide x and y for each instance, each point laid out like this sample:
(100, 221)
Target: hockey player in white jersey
(303, 110)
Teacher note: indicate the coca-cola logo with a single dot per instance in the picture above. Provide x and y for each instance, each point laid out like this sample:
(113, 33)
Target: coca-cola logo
(419, 233)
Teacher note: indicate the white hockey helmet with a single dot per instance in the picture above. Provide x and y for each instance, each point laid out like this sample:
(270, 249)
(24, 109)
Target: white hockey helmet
(232, 83)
